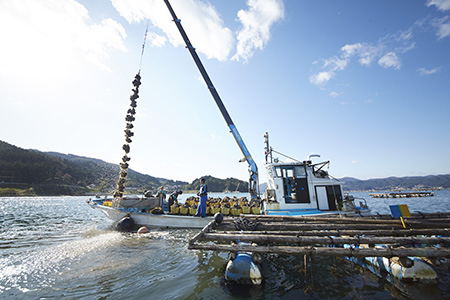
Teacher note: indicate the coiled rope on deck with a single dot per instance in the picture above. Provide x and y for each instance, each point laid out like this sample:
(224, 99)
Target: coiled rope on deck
(129, 118)
(245, 224)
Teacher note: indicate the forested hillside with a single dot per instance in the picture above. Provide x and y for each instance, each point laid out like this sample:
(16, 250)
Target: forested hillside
(61, 174)
(31, 172)
(219, 185)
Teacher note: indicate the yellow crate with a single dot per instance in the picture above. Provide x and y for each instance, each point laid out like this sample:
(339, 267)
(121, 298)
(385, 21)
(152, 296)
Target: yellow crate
(107, 203)
(225, 211)
(175, 209)
(184, 210)
(192, 211)
(256, 210)
(215, 210)
(246, 209)
(235, 211)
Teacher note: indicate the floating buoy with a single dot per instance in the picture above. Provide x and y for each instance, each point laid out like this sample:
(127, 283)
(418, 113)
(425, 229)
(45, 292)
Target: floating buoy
(218, 218)
(143, 229)
(125, 224)
(242, 270)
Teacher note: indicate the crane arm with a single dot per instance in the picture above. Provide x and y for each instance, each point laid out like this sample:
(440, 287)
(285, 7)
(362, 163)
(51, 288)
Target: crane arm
(253, 170)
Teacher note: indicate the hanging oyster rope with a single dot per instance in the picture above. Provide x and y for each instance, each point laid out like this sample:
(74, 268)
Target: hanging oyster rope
(118, 193)
(128, 134)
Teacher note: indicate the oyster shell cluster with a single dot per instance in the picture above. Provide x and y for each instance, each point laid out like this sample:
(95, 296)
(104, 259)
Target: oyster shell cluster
(128, 134)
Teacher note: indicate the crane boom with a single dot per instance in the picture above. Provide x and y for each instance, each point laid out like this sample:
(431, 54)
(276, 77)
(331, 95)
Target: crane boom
(253, 169)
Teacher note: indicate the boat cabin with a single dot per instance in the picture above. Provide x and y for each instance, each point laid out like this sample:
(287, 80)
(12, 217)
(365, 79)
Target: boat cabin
(300, 188)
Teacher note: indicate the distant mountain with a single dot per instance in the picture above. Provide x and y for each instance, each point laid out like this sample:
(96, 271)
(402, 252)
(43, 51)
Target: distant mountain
(54, 173)
(392, 183)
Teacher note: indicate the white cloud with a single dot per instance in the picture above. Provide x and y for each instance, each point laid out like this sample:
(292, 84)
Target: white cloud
(335, 94)
(365, 52)
(426, 72)
(156, 40)
(44, 36)
(443, 26)
(390, 60)
(440, 4)
(200, 20)
(256, 23)
(204, 25)
(321, 78)
(385, 51)
(336, 63)
(332, 65)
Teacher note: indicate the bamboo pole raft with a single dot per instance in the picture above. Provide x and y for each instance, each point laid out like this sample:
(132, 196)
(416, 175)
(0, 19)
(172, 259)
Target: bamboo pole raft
(425, 235)
(402, 195)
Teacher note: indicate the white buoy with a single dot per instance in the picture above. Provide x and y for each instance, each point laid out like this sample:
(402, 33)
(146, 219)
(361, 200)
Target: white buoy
(143, 229)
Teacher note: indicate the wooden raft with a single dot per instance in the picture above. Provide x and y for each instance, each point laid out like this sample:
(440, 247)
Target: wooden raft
(402, 195)
(426, 235)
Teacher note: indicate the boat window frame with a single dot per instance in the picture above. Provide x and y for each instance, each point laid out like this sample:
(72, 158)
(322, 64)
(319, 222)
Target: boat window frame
(278, 172)
(300, 167)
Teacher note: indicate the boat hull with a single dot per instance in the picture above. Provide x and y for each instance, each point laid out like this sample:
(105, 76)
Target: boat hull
(153, 220)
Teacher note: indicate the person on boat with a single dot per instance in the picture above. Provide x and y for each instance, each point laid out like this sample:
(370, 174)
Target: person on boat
(162, 196)
(203, 193)
(173, 197)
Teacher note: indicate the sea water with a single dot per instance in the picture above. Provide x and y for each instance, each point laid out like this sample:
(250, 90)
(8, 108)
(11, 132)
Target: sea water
(60, 248)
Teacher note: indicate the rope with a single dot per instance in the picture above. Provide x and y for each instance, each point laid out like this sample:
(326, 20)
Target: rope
(245, 224)
(143, 47)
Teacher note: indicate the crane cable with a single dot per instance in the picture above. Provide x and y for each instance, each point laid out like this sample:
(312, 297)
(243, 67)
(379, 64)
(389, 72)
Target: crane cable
(120, 187)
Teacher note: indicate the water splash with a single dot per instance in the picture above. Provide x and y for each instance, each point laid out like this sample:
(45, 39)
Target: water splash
(39, 268)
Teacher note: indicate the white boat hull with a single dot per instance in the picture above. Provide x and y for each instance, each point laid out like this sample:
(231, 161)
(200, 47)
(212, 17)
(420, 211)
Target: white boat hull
(151, 220)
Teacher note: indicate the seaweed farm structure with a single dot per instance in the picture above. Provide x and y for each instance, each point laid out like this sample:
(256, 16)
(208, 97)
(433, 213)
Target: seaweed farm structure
(425, 235)
(402, 195)
(410, 251)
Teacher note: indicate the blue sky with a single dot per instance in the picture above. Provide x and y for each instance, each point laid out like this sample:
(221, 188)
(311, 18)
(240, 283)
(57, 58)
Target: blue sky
(364, 84)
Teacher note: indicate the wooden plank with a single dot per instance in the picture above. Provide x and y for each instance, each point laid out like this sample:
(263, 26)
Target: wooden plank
(324, 251)
(300, 226)
(400, 232)
(308, 240)
(291, 225)
(205, 229)
(346, 220)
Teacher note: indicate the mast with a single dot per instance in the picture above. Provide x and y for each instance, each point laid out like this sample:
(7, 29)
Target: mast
(253, 169)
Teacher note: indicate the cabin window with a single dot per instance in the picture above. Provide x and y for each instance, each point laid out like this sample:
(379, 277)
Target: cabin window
(300, 172)
(295, 187)
(288, 173)
(278, 172)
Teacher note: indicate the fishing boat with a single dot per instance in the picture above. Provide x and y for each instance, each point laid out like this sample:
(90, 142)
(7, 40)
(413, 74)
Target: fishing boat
(296, 188)
(299, 188)
(140, 210)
